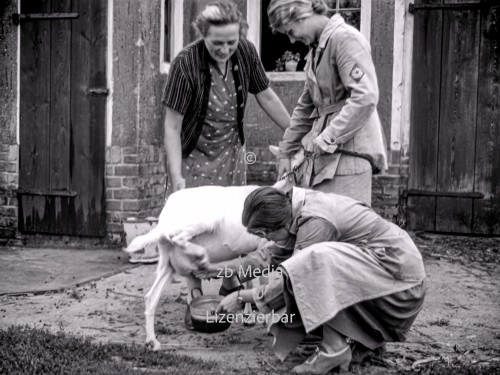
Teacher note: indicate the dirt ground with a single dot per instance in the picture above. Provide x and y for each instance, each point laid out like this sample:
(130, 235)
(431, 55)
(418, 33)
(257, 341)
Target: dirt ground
(460, 321)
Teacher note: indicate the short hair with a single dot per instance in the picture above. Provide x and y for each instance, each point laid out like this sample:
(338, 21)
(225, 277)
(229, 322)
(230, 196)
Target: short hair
(285, 12)
(220, 13)
(266, 208)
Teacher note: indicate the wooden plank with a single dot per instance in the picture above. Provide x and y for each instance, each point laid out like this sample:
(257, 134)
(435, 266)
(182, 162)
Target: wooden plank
(458, 100)
(454, 215)
(87, 118)
(420, 213)
(45, 16)
(462, 1)
(45, 214)
(34, 111)
(80, 114)
(457, 117)
(97, 128)
(425, 115)
(60, 97)
(487, 163)
(35, 98)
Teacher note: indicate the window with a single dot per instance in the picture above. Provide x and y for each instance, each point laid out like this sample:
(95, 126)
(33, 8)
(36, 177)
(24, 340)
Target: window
(273, 46)
(171, 37)
(349, 9)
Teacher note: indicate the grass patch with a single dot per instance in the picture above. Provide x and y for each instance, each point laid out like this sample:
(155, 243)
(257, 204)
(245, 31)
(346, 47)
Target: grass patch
(25, 350)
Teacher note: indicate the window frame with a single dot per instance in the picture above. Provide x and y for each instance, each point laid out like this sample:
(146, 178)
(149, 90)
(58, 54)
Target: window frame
(176, 33)
(254, 8)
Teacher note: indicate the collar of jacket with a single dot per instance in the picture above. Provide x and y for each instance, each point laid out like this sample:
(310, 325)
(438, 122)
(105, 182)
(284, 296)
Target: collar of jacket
(332, 25)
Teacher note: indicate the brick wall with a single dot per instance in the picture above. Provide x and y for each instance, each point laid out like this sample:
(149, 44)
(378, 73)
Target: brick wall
(9, 150)
(388, 189)
(9, 181)
(135, 185)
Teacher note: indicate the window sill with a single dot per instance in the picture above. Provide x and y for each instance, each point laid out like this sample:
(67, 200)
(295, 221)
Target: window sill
(286, 76)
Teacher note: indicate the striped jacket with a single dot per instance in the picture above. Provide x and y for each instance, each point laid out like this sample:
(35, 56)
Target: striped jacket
(188, 86)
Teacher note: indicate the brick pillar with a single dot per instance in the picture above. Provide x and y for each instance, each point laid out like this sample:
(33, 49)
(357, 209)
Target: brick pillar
(135, 172)
(9, 150)
(135, 185)
(9, 181)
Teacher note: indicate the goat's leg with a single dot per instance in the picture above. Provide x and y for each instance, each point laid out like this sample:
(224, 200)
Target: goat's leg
(247, 311)
(164, 275)
(189, 232)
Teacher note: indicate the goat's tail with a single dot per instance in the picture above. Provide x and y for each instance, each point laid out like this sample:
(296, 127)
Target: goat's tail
(140, 242)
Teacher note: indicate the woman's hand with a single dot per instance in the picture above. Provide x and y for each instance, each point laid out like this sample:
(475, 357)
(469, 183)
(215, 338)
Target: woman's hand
(217, 271)
(178, 183)
(229, 304)
(284, 166)
(211, 272)
(324, 144)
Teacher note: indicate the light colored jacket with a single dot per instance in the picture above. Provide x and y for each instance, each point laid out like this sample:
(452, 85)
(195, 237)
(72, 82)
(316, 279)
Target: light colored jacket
(337, 109)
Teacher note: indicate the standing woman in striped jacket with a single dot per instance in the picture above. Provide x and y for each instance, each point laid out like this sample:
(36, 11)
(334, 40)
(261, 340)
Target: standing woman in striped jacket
(205, 95)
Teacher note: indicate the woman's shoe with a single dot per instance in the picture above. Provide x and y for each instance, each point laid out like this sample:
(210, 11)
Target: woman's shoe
(321, 362)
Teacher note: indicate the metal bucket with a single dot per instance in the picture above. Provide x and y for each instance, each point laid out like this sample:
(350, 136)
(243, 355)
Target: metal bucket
(203, 313)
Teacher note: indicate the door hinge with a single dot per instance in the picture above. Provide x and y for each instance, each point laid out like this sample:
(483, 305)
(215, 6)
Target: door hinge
(412, 8)
(98, 91)
(18, 17)
(42, 192)
(448, 194)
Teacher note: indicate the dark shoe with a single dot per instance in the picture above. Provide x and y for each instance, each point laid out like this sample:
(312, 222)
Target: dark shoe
(188, 322)
(313, 338)
(322, 362)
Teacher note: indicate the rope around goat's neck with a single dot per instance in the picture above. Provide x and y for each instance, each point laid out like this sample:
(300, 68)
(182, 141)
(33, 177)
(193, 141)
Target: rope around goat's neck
(296, 168)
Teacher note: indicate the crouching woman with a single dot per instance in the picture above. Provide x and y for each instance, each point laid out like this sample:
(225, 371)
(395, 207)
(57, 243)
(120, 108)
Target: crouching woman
(353, 274)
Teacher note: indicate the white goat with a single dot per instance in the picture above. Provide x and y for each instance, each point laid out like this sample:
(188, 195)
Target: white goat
(196, 226)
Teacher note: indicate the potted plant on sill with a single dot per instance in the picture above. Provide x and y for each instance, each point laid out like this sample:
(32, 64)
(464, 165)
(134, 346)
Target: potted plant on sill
(288, 62)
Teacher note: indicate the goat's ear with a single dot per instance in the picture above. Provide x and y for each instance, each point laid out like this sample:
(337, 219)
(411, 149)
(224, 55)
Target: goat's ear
(275, 150)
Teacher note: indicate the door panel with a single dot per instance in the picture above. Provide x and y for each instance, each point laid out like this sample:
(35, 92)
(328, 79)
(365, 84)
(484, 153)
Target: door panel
(62, 124)
(425, 116)
(454, 150)
(35, 101)
(487, 170)
(60, 97)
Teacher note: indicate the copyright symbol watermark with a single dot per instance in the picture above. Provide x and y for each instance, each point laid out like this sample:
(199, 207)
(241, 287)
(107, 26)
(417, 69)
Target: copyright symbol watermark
(250, 158)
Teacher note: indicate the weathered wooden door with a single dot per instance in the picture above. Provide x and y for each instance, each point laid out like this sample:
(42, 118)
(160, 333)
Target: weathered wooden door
(62, 111)
(454, 183)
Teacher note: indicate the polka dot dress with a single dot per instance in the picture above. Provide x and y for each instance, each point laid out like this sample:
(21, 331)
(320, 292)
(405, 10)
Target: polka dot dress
(219, 157)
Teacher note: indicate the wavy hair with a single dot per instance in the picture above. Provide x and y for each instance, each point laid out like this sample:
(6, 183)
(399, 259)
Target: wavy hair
(285, 12)
(220, 13)
(266, 209)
